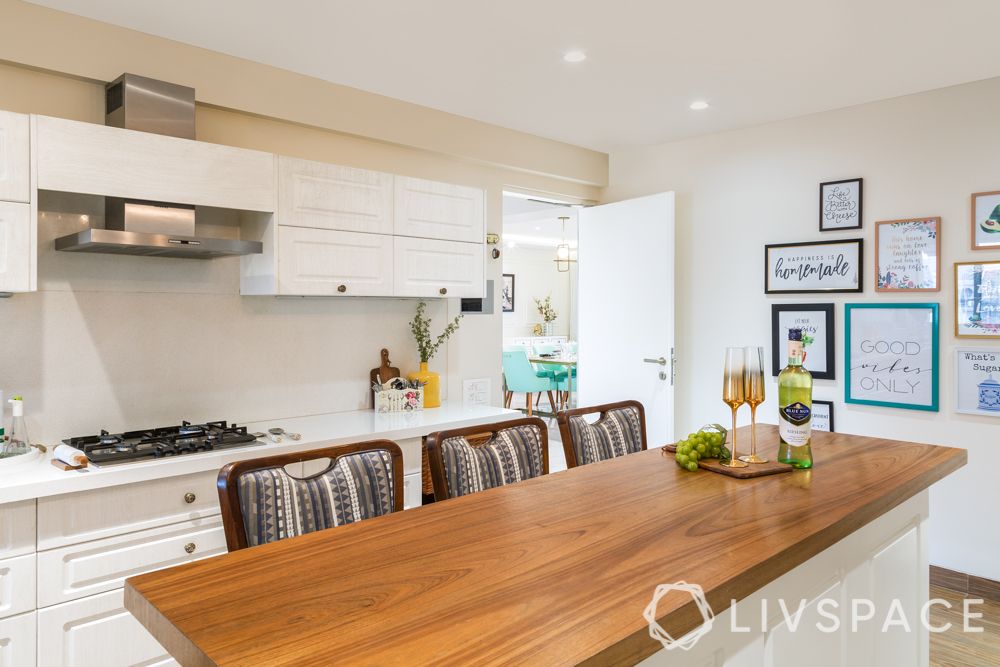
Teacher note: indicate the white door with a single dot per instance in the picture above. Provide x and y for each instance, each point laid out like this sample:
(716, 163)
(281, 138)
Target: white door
(432, 210)
(429, 268)
(320, 262)
(626, 308)
(329, 196)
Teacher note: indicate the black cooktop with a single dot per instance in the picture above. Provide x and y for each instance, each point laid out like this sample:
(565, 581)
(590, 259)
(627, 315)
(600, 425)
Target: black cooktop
(188, 438)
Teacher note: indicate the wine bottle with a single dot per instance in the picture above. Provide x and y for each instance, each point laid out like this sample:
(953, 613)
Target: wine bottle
(795, 386)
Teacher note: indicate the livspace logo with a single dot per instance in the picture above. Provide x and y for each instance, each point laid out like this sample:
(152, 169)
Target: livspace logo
(859, 614)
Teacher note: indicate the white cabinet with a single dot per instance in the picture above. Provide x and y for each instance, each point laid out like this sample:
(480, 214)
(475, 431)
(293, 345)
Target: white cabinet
(15, 183)
(17, 641)
(320, 262)
(413, 492)
(96, 632)
(102, 565)
(328, 196)
(429, 268)
(17, 528)
(16, 257)
(94, 159)
(17, 585)
(428, 209)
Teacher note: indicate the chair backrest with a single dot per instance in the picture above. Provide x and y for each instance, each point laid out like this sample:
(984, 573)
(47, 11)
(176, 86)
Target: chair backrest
(519, 373)
(620, 430)
(571, 347)
(261, 502)
(514, 451)
(545, 348)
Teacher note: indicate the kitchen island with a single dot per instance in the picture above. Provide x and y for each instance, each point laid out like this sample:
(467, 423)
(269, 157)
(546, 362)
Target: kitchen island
(559, 569)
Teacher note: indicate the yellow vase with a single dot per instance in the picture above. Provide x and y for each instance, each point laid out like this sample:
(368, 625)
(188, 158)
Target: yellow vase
(432, 385)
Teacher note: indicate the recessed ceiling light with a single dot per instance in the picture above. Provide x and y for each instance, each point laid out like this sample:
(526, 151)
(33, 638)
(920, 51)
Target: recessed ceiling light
(574, 56)
(699, 105)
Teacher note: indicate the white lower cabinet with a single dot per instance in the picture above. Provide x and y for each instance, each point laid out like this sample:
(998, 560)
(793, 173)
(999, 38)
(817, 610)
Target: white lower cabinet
(17, 640)
(431, 268)
(321, 262)
(17, 585)
(412, 491)
(96, 632)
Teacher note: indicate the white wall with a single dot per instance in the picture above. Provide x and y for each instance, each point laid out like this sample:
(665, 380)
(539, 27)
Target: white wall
(921, 155)
(536, 277)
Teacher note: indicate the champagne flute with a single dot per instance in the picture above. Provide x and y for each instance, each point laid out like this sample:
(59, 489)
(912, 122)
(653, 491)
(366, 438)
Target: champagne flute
(733, 395)
(753, 391)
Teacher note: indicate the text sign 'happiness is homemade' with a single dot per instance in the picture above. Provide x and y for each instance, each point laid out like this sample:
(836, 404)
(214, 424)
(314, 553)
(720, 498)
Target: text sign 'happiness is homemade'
(816, 266)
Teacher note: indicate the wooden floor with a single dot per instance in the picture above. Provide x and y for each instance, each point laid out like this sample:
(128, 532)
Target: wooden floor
(956, 648)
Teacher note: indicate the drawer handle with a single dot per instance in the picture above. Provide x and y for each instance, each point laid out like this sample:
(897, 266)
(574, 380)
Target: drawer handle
(189, 497)
(342, 288)
(443, 290)
(190, 547)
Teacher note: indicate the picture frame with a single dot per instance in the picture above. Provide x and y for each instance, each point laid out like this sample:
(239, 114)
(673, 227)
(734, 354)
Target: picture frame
(908, 255)
(977, 300)
(841, 205)
(977, 381)
(985, 214)
(507, 293)
(822, 416)
(817, 321)
(814, 267)
(891, 355)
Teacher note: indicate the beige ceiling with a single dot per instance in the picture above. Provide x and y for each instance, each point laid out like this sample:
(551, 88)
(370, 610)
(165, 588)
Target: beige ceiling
(501, 62)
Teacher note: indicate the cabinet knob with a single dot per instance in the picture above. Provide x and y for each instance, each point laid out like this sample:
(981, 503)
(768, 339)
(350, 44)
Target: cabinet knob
(443, 290)
(342, 288)
(190, 497)
(189, 547)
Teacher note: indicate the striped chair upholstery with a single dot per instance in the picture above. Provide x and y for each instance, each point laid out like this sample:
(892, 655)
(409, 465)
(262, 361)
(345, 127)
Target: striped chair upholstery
(512, 454)
(619, 431)
(273, 505)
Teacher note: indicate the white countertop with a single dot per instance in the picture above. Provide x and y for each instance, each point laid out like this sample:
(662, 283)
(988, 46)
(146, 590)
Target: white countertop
(40, 478)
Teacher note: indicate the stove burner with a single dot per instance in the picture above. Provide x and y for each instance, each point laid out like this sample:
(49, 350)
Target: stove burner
(187, 438)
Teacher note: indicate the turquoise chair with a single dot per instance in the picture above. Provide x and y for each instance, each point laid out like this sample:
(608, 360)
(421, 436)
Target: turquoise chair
(520, 377)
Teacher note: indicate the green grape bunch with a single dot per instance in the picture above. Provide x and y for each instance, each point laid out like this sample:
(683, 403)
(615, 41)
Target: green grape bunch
(705, 444)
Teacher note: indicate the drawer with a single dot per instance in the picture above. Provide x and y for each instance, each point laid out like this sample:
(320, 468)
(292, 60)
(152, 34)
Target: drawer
(96, 632)
(102, 565)
(90, 515)
(17, 585)
(413, 492)
(17, 528)
(17, 640)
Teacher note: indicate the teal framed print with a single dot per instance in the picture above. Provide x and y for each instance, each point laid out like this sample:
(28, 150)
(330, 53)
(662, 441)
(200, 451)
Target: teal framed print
(892, 355)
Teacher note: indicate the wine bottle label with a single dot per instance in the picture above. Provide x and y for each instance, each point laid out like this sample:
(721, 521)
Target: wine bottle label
(794, 423)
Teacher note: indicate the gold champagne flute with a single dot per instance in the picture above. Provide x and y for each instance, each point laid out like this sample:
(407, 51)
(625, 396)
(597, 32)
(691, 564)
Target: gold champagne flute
(753, 391)
(733, 395)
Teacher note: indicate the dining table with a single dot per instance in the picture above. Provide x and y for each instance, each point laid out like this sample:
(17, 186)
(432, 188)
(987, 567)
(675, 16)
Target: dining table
(567, 362)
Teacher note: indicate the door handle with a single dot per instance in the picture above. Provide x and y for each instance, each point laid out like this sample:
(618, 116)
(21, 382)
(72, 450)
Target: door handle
(661, 361)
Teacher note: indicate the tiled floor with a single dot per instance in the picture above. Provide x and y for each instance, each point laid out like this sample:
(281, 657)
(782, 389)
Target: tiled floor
(956, 648)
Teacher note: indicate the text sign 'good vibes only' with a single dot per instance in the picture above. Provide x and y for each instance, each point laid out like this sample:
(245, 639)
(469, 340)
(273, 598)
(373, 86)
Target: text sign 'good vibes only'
(820, 266)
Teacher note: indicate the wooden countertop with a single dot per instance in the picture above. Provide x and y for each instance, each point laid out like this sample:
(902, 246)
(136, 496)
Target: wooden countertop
(550, 571)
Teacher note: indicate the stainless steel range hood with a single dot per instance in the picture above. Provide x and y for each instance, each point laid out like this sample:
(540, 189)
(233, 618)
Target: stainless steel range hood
(160, 229)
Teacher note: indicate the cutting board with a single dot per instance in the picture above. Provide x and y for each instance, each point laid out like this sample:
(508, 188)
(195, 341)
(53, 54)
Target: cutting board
(752, 470)
(385, 372)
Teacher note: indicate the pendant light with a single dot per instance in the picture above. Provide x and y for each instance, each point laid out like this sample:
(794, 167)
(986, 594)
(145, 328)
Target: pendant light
(562, 259)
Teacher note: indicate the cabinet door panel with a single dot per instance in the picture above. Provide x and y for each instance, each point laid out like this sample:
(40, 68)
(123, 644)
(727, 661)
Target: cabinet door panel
(428, 209)
(17, 585)
(15, 183)
(16, 261)
(17, 528)
(319, 262)
(427, 268)
(329, 196)
(17, 641)
(96, 632)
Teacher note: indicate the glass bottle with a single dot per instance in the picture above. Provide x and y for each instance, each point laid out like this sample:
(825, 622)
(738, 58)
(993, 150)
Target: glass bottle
(795, 386)
(17, 440)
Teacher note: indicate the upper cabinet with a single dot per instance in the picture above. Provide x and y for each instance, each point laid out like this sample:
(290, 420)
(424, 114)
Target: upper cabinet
(94, 159)
(321, 262)
(432, 210)
(329, 196)
(15, 182)
(17, 261)
(432, 268)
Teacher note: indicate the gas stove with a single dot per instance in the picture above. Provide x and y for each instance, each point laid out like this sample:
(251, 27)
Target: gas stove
(112, 448)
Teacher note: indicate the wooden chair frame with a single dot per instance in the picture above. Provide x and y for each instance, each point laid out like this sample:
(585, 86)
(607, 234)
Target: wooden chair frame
(480, 432)
(232, 513)
(566, 433)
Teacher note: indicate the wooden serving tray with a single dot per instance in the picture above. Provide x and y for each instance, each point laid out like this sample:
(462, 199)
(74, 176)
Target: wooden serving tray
(752, 470)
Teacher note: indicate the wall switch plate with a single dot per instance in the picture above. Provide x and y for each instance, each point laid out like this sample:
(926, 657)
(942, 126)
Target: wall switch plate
(476, 392)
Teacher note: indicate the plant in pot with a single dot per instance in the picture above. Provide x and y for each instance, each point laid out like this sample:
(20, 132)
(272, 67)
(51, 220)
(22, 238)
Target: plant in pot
(427, 348)
(548, 313)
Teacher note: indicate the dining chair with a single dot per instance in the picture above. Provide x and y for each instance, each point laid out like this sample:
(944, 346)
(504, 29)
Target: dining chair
(262, 502)
(520, 377)
(619, 430)
(476, 458)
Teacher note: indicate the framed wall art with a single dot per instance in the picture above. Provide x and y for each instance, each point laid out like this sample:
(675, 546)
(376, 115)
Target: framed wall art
(977, 381)
(908, 255)
(977, 300)
(822, 416)
(986, 220)
(817, 323)
(891, 355)
(814, 267)
(840, 205)
(507, 293)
